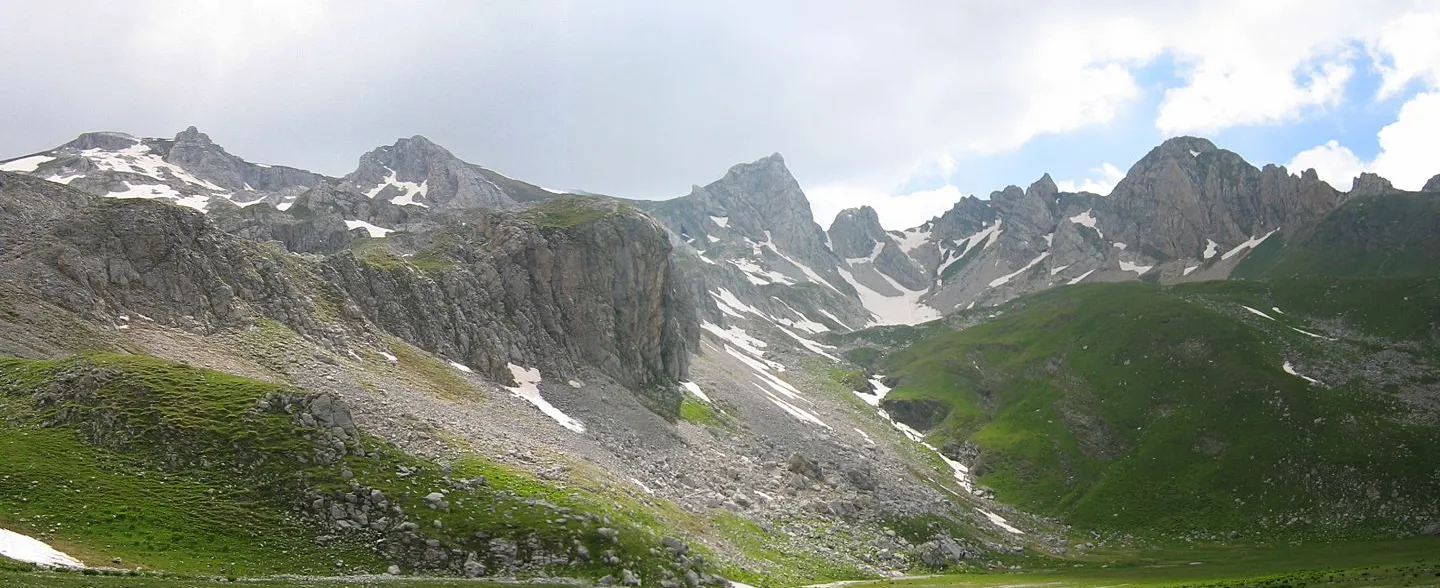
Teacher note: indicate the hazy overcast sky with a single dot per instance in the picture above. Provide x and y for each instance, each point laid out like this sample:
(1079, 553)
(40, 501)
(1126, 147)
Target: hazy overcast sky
(902, 105)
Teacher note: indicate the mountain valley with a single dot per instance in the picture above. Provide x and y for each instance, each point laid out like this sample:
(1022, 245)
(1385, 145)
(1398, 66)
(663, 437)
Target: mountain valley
(222, 370)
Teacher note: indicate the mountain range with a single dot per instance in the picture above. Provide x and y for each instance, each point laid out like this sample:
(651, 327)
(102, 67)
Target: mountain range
(430, 367)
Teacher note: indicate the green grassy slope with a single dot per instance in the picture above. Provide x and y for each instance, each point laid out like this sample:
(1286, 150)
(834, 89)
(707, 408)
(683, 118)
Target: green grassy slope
(1394, 235)
(170, 467)
(1163, 411)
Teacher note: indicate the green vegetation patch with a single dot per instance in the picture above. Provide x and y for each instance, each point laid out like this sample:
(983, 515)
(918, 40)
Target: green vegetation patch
(1165, 411)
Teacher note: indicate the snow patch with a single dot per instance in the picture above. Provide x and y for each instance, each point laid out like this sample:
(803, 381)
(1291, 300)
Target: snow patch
(389, 357)
(25, 164)
(1087, 219)
(462, 367)
(1120, 246)
(529, 389)
(1211, 248)
(375, 232)
(723, 221)
(410, 190)
(1189, 270)
(758, 275)
(138, 159)
(729, 304)
(1139, 270)
(160, 192)
(1252, 243)
(31, 550)
(694, 388)
(904, 309)
(736, 336)
(914, 239)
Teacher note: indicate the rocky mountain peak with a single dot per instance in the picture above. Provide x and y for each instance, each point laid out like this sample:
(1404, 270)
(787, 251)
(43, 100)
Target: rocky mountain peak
(1433, 185)
(855, 232)
(192, 135)
(1370, 184)
(1186, 145)
(103, 140)
(1044, 187)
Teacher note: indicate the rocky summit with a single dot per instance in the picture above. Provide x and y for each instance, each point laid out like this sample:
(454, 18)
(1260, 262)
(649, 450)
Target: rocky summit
(213, 368)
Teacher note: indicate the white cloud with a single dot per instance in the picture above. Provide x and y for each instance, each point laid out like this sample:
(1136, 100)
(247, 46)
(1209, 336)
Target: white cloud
(1336, 164)
(1407, 152)
(1408, 50)
(1407, 146)
(1222, 95)
(1104, 179)
(895, 211)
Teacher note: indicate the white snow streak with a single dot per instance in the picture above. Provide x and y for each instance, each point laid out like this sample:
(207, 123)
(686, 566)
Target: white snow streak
(694, 388)
(723, 221)
(1189, 270)
(1257, 312)
(1077, 280)
(374, 231)
(1000, 521)
(1211, 248)
(1253, 242)
(462, 367)
(1290, 369)
(1000, 281)
(529, 389)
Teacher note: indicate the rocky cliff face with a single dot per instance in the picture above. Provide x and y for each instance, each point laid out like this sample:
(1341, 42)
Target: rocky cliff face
(1186, 191)
(487, 289)
(194, 152)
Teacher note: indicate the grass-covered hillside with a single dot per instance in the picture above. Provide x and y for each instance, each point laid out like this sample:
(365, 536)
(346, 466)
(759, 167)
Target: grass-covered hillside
(1391, 235)
(130, 461)
(1173, 410)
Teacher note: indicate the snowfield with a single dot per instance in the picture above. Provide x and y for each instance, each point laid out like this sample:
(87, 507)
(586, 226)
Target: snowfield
(30, 550)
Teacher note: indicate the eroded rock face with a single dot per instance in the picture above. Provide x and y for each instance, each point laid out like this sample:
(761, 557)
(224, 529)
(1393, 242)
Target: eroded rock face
(496, 288)
(1187, 191)
(857, 234)
(1369, 184)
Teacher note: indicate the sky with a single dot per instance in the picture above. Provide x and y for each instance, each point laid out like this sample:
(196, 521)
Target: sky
(902, 105)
